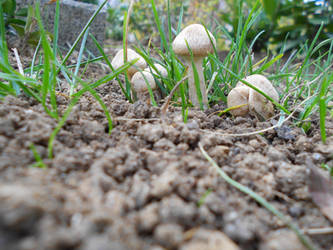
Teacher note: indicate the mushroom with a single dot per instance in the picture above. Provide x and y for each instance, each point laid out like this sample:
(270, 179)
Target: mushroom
(160, 70)
(201, 45)
(257, 104)
(118, 61)
(139, 84)
(239, 96)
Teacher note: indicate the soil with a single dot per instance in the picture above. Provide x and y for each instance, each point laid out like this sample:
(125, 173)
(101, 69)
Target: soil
(146, 185)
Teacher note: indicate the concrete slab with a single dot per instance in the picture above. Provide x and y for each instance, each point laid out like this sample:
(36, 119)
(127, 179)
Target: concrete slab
(73, 17)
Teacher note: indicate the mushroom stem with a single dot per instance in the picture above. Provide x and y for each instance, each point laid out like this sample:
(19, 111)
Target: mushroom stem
(191, 82)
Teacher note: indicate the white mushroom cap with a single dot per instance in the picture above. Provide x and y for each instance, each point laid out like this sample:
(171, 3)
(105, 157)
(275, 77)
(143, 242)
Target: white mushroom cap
(258, 104)
(262, 83)
(239, 96)
(200, 42)
(139, 84)
(160, 68)
(118, 61)
(197, 39)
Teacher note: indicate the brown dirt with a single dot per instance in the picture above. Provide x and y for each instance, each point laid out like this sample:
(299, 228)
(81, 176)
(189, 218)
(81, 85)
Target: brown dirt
(139, 187)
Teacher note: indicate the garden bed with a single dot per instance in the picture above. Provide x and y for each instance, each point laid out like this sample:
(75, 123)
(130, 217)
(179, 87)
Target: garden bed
(147, 185)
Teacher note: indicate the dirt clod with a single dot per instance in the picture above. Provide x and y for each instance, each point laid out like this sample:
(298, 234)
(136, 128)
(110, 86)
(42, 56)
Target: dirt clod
(146, 184)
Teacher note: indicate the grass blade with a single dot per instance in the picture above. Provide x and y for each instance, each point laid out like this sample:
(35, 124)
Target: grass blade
(82, 33)
(4, 50)
(159, 27)
(107, 78)
(100, 101)
(39, 162)
(151, 95)
(180, 19)
(258, 90)
(308, 54)
(305, 240)
(322, 106)
(3, 44)
(19, 80)
(196, 78)
(104, 56)
(6, 89)
(79, 59)
(125, 30)
(76, 98)
(56, 28)
(254, 13)
(49, 70)
(154, 70)
(60, 124)
(34, 57)
(268, 64)
(322, 113)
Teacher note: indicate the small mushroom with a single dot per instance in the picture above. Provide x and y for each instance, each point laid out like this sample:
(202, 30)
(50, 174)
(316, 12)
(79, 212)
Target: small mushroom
(257, 104)
(239, 96)
(200, 43)
(162, 71)
(118, 61)
(139, 84)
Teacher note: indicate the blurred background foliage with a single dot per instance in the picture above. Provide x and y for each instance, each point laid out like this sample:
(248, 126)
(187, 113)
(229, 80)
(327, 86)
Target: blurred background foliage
(290, 21)
(21, 22)
(287, 23)
(13, 22)
(88, 1)
(142, 23)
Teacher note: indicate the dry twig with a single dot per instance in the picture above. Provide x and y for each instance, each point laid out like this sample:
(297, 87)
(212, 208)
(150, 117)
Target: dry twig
(165, 106)
(18, 61)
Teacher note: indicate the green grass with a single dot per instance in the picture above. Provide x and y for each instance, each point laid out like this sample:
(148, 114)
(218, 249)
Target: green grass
(303, 76)
(303, 79)
(41, 81)
(174, 66)
(39, 161)
(308, 79)
(263, 202)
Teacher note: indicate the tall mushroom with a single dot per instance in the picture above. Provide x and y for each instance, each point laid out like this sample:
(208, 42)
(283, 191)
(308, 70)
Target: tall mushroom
(201, 45)
(118, 61)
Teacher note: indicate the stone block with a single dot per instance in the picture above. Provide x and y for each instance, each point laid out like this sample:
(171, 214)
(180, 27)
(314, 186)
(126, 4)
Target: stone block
(73, 17)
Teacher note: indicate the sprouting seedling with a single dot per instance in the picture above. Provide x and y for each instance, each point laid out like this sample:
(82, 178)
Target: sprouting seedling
(257, 104)
(201, 44)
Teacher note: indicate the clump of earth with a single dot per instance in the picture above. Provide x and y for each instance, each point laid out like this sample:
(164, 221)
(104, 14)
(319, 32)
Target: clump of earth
(146, 185)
